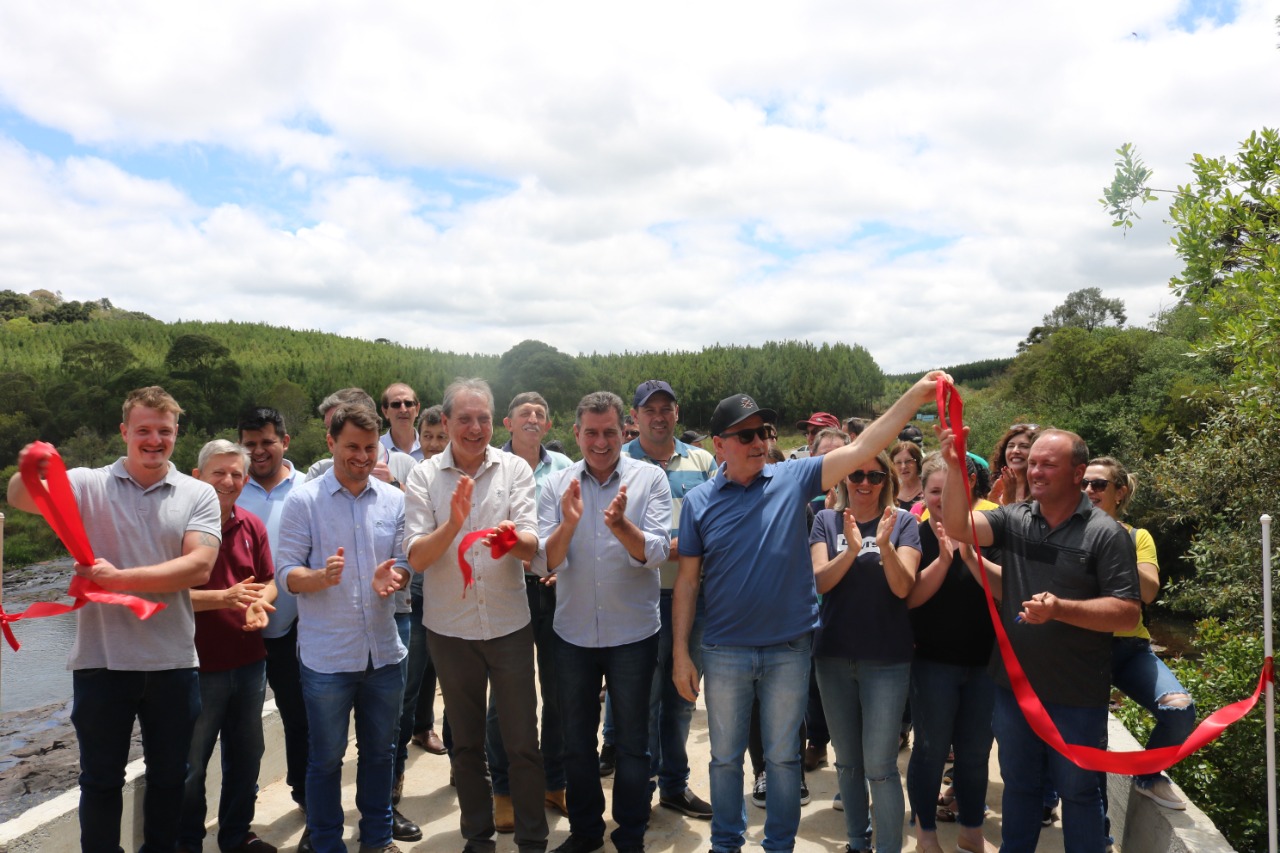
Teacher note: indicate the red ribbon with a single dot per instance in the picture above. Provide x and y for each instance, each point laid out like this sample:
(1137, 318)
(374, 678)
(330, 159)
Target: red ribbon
(57, 504)
(503, 541)
(1137, 763)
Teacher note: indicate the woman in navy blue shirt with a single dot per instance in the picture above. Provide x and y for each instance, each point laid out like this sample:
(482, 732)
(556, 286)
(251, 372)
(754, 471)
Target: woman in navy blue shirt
(864, 565)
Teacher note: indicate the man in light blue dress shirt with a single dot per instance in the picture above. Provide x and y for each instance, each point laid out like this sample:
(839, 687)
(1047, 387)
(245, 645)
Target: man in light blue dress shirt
(604, 530)
(341, 554)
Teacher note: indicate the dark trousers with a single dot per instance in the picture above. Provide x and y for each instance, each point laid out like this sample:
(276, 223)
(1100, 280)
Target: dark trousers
(104, 705)
(286, 686)
(467, 668)
(542, 612)
(628, 671)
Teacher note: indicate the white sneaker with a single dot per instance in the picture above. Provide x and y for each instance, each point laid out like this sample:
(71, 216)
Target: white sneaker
(1161, 790)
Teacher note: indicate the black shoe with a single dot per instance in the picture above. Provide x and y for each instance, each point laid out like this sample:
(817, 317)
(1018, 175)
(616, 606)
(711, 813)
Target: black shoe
(403, 829)
(804, 792)
(579, 844)
(608, 758)
(688, 803)
(304, 844)
(1050, 815)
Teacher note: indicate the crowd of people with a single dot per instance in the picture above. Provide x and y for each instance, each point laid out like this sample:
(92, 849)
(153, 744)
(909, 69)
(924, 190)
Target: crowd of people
(828, 598)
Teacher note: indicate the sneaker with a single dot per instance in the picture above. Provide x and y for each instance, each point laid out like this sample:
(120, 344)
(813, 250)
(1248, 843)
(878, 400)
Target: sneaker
(1161, 790)
(608, 758)
(1049, 816)
(687, 802)
(758, 791)
(804, 792)
(837, 803)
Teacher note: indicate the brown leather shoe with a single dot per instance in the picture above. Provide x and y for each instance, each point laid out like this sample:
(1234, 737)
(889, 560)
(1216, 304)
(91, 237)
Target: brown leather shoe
(814, 757)
(555, 801)
(504, 816)
(433, 744)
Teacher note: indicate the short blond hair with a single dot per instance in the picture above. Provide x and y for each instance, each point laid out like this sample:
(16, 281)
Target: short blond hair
(151, 397)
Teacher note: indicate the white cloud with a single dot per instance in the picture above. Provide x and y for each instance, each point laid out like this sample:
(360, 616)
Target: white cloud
(920, 180)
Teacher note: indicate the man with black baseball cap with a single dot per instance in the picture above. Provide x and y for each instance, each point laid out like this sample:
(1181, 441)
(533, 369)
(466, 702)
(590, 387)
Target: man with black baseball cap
(744, 540)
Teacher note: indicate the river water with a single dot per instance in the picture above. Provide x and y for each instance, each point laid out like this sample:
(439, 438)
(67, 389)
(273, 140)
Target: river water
(37, 674)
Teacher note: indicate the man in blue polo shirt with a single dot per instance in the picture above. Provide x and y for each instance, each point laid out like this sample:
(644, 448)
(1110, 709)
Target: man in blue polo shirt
(656, 412)
(743, 534)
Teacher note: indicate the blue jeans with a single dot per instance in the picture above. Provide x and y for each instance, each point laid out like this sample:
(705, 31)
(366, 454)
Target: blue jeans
(628, 669)
(1145, 679)
(103, 707)
(670, 714)
(231, 710)
(1026, 761)
(952, 709)
(376, 696)
(542, 612)
(863, 701)
(735, 676)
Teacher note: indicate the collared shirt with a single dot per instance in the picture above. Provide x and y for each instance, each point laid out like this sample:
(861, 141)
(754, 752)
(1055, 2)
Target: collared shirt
(1087, 556)
(497, 605)
(389, 443)
(688, 468)
(604, 596)
(130, 526)
(245, 555)
(754, 544)
(346, 627)
(549, 462)
(268, 506)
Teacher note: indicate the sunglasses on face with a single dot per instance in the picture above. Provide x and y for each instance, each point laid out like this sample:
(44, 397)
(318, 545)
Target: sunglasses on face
(746, 436)
(402, 404)
(632, 433)
(875, 478)
(1095, 485)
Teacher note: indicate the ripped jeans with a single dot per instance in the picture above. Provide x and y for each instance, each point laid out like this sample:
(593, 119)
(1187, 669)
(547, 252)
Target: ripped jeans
(863, 701)
(1145, 679)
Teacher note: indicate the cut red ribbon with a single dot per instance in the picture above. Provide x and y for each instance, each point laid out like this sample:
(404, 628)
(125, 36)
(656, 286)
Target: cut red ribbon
(57, 503)
(503, 541)
(1138, 763)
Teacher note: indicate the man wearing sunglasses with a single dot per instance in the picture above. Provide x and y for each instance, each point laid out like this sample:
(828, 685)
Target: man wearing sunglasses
(400, 408)
(744, 540)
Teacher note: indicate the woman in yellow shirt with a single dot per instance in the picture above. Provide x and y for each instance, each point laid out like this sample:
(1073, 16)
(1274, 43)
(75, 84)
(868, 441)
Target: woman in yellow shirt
(1135, 669)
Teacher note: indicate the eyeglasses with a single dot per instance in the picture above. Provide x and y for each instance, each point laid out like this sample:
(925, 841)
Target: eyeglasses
(632, 433)
(875, 478)
(1095, 485)
(1025, 426)
(403, 404)
(746, 436)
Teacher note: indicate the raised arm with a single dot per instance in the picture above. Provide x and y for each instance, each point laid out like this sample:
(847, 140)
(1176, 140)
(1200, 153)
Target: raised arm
(882, 432)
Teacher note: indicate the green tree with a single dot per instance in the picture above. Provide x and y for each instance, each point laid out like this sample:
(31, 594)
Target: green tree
(96, 361)
(1084, 309)
(534, 366)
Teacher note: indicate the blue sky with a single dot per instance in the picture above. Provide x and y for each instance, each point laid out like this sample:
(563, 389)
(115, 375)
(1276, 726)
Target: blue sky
(471, 177)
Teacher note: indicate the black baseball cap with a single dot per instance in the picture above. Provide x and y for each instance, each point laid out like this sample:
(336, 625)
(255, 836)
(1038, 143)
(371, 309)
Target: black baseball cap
(736, 409)
(647, 389)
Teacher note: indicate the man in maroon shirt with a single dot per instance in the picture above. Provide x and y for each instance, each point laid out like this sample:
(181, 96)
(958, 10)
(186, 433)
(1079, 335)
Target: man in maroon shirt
(231, 611)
